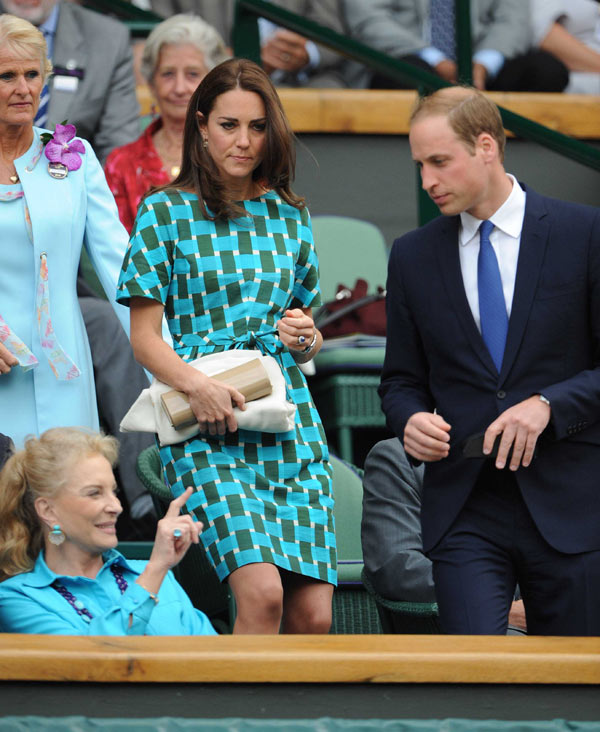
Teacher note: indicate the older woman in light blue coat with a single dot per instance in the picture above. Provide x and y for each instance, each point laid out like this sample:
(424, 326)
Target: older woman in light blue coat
(53, 200)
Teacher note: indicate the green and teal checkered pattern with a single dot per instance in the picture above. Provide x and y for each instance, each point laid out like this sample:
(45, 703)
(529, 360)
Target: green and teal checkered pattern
(262, 497)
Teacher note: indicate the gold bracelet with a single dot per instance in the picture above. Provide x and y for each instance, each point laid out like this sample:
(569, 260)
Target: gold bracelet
(153, 596)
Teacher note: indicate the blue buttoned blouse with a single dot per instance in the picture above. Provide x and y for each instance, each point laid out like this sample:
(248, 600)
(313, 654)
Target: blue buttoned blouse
(29, 604)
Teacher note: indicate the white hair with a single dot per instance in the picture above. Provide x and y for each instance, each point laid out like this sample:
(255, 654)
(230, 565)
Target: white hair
(182, 29)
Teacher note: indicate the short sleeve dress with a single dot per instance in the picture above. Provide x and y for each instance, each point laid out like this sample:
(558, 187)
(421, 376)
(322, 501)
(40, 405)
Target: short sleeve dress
(262, 497)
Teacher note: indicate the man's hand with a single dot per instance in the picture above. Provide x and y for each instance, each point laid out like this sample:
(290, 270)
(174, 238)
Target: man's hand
(520, 427)
(479, 76)
(447, 70)
(426, 437)
(284, 50)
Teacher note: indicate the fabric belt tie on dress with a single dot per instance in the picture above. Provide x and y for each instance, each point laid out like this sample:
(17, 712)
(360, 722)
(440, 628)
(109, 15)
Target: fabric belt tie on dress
(264, 341)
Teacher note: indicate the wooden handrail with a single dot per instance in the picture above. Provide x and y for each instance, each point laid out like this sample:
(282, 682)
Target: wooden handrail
(371, 111)
(302, 659)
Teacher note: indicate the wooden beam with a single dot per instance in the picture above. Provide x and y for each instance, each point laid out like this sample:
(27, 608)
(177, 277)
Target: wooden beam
(382, 112)
(302, 659)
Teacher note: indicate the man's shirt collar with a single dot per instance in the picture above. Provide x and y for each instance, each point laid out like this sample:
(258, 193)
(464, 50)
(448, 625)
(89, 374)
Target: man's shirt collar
(508, 218)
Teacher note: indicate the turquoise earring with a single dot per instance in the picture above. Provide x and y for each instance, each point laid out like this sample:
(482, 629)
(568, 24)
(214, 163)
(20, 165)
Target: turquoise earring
(56, 536)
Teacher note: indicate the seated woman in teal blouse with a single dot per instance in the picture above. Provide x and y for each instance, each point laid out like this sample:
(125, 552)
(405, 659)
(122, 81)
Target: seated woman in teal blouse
(59, 570)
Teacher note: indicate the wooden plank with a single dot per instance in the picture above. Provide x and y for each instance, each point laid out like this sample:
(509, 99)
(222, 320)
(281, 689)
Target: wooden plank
(577, 115)
(302, 659)
(383, 112)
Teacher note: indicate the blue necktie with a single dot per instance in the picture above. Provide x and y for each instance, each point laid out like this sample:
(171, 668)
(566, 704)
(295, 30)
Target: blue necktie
(492, 307)
(41, 117)
(443, 27)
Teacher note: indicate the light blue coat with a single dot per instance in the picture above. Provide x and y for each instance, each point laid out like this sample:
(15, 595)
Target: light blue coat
(65, 214)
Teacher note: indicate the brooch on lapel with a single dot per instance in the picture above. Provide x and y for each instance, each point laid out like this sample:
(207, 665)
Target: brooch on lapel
(63, 152)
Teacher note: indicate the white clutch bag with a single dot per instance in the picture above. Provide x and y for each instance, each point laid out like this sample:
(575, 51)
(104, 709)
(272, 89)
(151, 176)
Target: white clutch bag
(271, 413)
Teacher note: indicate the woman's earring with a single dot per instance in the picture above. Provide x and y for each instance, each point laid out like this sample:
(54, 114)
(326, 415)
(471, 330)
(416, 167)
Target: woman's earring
(56, 536)
(205, 143)
(153, 111)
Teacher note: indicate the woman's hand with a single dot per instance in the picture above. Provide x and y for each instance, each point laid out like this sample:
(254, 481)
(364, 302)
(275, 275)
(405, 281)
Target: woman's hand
(170, 549)
(7, 360)
(295, 325)
(175, 533)
(213, 402)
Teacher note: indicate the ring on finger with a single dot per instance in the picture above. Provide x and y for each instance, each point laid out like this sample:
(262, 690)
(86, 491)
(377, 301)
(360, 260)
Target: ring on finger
(177, 533)
(301, 340)
(285, 57)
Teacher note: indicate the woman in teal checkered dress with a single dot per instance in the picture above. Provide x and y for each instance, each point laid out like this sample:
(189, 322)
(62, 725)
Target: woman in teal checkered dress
(226, 252)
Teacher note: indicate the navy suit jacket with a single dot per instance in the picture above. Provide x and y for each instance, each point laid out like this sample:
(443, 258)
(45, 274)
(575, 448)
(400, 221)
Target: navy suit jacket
(436, 359)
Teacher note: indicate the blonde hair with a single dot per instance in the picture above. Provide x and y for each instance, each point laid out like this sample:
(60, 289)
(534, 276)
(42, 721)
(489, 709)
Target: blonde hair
(41, 469)
(24, 39)
(469, 113)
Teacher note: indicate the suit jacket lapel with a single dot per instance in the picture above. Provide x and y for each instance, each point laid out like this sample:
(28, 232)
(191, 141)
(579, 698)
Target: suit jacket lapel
(448, 257)
(534, 239)
(69, 52)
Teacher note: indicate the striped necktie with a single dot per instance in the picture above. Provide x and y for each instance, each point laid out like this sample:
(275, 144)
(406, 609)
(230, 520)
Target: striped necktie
(492, 306)
(41, 117)
(443, 27)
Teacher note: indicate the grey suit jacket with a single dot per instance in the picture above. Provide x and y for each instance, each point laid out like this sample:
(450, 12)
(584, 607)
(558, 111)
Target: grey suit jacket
(333, 69)
(104, 107)
(397, 27)
(218, 13)
(391, 526)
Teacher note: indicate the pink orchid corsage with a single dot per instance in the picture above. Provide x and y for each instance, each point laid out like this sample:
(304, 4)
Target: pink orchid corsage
(62, 148)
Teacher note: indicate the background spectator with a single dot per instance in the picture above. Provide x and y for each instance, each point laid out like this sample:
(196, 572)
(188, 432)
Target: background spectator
(421, 32)
(177, 55)
(571, 31)
(292, 60)
(288, 57)
(92, 86)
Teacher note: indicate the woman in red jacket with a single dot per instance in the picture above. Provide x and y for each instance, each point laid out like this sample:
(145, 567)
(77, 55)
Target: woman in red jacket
(177, 55)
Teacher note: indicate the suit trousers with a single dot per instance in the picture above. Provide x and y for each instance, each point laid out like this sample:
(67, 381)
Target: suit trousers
(493, 545)
(533, 71)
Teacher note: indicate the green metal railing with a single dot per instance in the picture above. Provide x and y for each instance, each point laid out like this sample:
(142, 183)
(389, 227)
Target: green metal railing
(140, 22)
(246, 44)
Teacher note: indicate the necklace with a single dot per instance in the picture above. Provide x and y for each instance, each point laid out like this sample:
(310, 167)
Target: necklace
(11, 196)
(169, 152)
(77, 605)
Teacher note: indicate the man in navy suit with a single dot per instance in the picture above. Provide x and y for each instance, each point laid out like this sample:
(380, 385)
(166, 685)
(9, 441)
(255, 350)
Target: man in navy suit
(494, 334)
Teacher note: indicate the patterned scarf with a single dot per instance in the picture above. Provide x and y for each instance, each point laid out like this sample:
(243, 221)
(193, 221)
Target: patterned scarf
(62, 366)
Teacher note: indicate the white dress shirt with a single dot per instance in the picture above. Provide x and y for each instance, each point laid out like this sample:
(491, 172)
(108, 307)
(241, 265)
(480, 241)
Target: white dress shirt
(505, 239)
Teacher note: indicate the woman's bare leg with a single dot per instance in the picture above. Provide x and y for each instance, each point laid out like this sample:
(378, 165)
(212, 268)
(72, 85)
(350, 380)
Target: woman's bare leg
(258, 596)
(306, 604)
